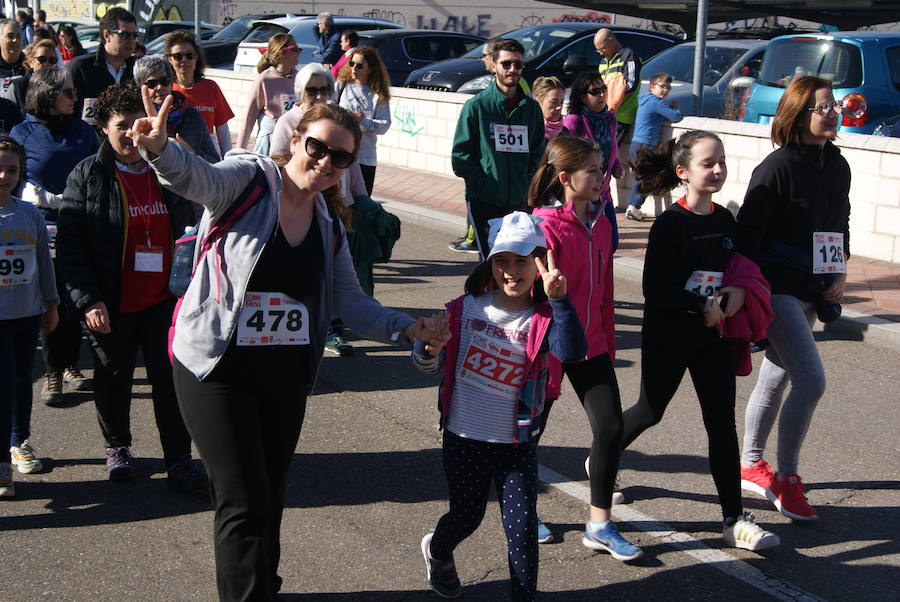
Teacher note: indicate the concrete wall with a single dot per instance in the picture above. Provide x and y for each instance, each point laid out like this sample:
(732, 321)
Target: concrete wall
(424, 121)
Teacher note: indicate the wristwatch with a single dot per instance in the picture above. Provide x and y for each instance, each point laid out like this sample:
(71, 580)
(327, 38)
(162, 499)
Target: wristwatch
(709, 304)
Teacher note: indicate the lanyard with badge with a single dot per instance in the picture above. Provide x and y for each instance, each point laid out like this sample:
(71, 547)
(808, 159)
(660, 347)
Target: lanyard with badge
(147, 258)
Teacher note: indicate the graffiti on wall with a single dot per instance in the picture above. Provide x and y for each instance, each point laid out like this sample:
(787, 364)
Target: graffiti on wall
(588, 17)
(227, 11)
(103, 7)
(388, 15)
(459, 24)
(67, 9)
(144, 10)
(405, 116)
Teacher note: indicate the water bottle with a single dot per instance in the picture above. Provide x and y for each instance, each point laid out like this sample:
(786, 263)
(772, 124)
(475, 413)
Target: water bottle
(183, 262)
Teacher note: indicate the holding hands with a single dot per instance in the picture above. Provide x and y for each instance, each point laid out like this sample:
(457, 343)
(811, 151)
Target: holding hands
(434, 330)
(554, 281)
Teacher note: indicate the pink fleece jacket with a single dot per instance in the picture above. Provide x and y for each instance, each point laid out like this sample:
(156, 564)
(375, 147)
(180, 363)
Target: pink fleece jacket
(751, 322)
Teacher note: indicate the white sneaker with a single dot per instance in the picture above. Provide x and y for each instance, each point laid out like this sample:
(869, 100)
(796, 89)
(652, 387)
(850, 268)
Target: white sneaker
(24, 458)
(743, 532)
(634, 213)
(7, 487)
(617, 497)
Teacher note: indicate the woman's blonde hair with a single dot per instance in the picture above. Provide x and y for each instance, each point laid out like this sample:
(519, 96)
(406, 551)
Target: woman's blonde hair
(32, 49)
(544, 85)
(272, 54)
(791, 114)
(379, 81)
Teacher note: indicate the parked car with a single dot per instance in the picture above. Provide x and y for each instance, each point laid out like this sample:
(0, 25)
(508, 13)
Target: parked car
(864, 68)
(220, 49)
(58, 24)
(560, 49)
(305, 33)
(727, 69)
(154, 29)
(888, 127)
(405, 50)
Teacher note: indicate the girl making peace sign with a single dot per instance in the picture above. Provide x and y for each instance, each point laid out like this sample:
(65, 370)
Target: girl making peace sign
(492, 395)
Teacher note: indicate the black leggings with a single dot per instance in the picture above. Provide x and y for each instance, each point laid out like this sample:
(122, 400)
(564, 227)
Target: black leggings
(470, 466)
(595, 384)
(712, 370)
(245, 419)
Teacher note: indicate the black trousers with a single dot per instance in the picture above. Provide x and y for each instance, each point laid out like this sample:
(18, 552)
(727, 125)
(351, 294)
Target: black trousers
(146, 330)
(17, 341)
(479, 214)
(61, 348)
(245, 418)
(368, 174)
(595, 384)
(471, 466)
(711, 365)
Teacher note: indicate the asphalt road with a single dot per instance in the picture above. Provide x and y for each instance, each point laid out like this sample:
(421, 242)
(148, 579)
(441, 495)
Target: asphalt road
(367, 484)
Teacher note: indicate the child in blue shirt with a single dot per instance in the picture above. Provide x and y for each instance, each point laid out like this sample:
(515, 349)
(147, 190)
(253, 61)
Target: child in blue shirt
(652, 110)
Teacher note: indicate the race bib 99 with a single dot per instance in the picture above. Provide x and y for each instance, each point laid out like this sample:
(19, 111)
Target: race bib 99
(17, 264)
(272, 319)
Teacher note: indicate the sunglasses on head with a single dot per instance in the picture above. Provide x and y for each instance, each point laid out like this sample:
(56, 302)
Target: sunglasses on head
(291, 47)
(162, 81)
(317, 149)
(356, 64)
(178, 56)
(510, 65)
(46, 59)
(125, 35)
(323, 91)
(595, 91)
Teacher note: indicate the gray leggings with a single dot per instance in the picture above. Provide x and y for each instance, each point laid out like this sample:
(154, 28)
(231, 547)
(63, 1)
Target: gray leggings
(791, 356)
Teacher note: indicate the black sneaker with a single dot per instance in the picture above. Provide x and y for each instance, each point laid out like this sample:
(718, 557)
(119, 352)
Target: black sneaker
(441, 576)
(52, 389)
(463, 246)
(118, 463)
(184, 477)
(77, 380)
(339, 347)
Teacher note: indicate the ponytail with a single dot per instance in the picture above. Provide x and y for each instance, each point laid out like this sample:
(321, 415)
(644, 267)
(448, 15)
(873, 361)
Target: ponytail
(272, 54)
(656, 168)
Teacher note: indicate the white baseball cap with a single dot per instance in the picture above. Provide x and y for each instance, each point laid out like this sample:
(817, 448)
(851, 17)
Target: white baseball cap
(517, 232)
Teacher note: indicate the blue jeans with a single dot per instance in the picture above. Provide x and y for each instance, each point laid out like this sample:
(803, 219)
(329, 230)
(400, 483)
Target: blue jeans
(637, 199)
(18, 340)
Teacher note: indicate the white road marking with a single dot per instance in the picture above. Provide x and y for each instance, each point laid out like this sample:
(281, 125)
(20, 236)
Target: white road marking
(718, 559)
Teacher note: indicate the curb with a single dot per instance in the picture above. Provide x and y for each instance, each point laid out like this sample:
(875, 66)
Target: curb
(852, 326)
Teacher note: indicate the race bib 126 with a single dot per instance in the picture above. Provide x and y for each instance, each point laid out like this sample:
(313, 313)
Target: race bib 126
(272, 319)
(828, 253)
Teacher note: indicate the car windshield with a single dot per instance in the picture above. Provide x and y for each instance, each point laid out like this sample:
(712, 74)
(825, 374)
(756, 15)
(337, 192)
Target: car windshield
(263, 32)
(236, 30)
(787, 59)
(536, 40)
(679, 63)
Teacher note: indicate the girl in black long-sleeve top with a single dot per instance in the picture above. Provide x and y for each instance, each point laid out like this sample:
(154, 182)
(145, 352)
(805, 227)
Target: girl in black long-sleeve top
(687, 251)
(795, 224)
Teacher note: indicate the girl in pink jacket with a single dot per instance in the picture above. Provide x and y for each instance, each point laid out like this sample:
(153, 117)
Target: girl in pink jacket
(564, 192)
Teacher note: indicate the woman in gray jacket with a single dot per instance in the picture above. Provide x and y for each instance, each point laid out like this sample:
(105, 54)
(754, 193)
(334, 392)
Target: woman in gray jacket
(250, 332)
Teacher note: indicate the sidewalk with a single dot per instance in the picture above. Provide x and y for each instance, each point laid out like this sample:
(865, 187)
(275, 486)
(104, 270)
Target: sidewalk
(871, 305)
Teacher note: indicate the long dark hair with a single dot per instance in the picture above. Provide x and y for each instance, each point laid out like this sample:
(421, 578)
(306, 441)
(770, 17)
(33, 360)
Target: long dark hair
(656, 168)
(481, 280)
(580, 87)
(563, 153)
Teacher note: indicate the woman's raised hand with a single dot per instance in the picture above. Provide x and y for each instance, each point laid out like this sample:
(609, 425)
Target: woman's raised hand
(150, 132)
(554, 282)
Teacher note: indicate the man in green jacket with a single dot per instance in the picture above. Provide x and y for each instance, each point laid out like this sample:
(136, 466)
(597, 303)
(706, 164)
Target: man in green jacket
(498, 143)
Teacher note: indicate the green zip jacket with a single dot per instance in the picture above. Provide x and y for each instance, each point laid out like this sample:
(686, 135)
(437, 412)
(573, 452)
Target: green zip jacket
(497, 177)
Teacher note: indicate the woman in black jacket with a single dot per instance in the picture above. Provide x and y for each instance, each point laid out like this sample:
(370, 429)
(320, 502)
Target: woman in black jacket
(794, 224)
(115, 247)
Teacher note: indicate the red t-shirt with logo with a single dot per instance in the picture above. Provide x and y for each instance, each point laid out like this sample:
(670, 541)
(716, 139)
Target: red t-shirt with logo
(208, 99)
(148, 232)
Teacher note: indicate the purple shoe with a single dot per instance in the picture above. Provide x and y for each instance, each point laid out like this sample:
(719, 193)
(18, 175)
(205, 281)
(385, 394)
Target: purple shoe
(118, 463)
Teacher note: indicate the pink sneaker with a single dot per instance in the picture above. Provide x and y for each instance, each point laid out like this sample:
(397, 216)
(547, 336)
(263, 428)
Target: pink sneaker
(757, 477)
(788, 496)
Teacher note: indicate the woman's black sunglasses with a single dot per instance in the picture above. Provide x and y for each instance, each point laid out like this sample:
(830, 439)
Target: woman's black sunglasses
(317, 149)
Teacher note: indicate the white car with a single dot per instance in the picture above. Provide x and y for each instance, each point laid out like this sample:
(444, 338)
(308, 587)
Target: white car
(305, 33)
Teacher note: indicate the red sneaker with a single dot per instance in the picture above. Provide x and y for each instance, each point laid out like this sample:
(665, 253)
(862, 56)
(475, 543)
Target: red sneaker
(787, 495)
(757, 477)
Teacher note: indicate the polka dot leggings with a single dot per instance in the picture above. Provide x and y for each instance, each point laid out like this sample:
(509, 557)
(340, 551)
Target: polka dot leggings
(470, 466)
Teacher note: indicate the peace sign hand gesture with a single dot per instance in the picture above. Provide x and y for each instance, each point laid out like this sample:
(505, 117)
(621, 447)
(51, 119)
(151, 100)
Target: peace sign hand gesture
(554, 281)
(150, 132)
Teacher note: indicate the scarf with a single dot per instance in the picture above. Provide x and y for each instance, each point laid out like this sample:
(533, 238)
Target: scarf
(600, 124)
(552, 128)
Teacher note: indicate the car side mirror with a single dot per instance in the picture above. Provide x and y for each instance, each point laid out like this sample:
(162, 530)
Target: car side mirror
(574, 62)
(742, 82)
